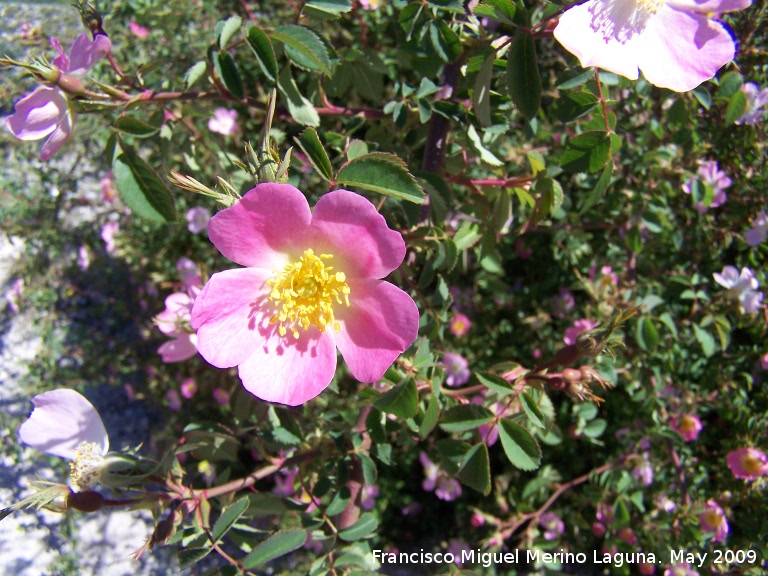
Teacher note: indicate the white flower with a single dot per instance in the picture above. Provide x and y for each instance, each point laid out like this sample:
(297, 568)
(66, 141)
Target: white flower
(744, 286)
(64, 424)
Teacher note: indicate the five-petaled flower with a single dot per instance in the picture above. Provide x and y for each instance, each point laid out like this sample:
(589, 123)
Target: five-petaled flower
(713, 178)
(756, 101)
(712, 519)
(45, 112)
(675, 43)
(688, 426)
(742, 285)
(224, 121)
(312, 282)
(747, 463)
(64, 424)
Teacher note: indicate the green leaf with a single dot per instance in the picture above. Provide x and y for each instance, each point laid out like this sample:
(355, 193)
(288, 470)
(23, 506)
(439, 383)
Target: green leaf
(265, 53)
(231, 26)
(621, 516)
(523, 79)
(531, 409)
(520, 447)
(502, 10)
(477, 145)
(141, 189)
(277, 545)
(574, 105)
(409, 16)
(495, 383)
(226, 69)
(299, 107)
(365, 526)
(587, 152)
(737, 105)
(194, 73)
(192, 556)
(475, 471)
(305, 48)
(599, 190)
(574, 77)
(356, 149)
(382, 173)
(646, 334)
(310, 144)
(402, 400)
(445, 41)
(465, 417)
(452, 454)
(431, 415)
(327, 8)
(136, 127)
(730, 82)
(481, 96)
(706, 340)
(230, 515)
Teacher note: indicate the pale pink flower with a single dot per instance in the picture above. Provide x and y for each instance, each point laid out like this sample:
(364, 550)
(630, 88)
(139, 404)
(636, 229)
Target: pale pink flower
(764, 361)
(675, 44)
(311, 283)
(174, 400)
(189, 272)
(742, 285)
(710, 175)
(83, 258)
(188, 388)
(683, 569)
(759, 231)
(572, 333)
(747, 463)
(108, 233)
(174, 321)
(643, 470)
(64, 424)
(197, 219)
(370, 4)
(688, 426)
(445, 487)
(108, 190)
(368, 495)
(13, 295)
(456, 369)
(45, 112)
(221, 396)
(552, 524)
(713, 520)
(756, 101)
(224, 121)
(137, 30)
(284, 482)
(460, 324)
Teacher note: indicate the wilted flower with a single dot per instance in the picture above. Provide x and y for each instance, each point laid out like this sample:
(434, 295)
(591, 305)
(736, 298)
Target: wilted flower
(552, 524)
(675, 45)
(572, 333)
(64, 424)
(743, 286)
(756, 100)
(628, 535)
(688, 426)
(108, 191)
(13, 295)
(713, 520)
(45, 112)
(197, 219)
(460, 324)
(445, 487)
(747, 463)
(643, 470)
(711, 176)
(137, 30)
(312, 283)
(759, 231)
(224, 121)
(563, 302)
(456, 369)
(108, 233)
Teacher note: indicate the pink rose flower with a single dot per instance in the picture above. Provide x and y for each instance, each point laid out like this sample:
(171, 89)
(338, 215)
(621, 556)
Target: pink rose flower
(189, 387)
(688, 426)
(460, 325)
(108, 233)
(710, 175)
(64, 424)
(552, 524)
(756, 101)
(224, 121)
(675, 44)
(713, 520)
(747, 463)
(83, 54)
(197, 219)
(138, 30)
(311, 283)
(13, 295)
(174, 322)
(572, 333)
(759, 231)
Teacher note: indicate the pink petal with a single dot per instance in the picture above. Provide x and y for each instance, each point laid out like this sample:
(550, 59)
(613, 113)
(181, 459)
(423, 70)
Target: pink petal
(709, 6)
(38, 114)
(228, 316)
(270, 220)
(290, 371)
(576, 33)
(57, 139)
(60, 422)
(84, 53)
(348, 226)
(681, 50)
(182, 347)
(380, 324)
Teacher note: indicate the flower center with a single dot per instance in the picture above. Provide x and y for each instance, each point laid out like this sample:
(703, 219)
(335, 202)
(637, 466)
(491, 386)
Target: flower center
(711, 518)
(622, 19)
(688, 424)
(751, 465)
(304, 293)
(86, 466)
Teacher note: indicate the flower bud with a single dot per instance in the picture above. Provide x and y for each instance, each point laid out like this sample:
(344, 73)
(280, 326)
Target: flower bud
(87, 501)
(566, 355)
(557, 383)
(70, 84)
(572, 375)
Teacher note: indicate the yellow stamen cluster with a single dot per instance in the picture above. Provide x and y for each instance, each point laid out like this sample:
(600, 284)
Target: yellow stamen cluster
(86, 466)
(751, 464)
(304, 293)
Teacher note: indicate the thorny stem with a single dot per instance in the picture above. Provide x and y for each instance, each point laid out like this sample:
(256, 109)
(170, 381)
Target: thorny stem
(603, 104)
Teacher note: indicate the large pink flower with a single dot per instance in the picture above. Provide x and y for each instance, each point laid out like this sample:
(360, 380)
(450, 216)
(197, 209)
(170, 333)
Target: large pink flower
(311, 283)
(674, 43)
(747, 463)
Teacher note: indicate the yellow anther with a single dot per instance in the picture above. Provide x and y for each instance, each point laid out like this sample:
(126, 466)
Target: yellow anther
(86, 466)
(304, 294)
